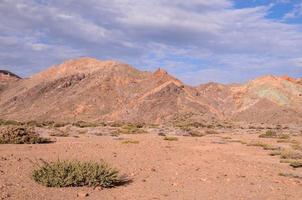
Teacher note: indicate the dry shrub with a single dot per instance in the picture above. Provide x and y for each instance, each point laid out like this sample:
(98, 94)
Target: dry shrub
(77, 174)
(20, 135)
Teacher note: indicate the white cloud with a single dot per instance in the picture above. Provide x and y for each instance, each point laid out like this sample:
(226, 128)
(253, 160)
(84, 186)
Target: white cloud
(186, 37)
(296, 12)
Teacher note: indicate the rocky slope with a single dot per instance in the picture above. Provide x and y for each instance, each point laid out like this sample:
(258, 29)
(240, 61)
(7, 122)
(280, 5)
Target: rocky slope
(89, 89)
(7, 78)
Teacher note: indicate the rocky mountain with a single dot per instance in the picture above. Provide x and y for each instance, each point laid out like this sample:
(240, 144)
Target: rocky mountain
(89, 89)
(6, 78)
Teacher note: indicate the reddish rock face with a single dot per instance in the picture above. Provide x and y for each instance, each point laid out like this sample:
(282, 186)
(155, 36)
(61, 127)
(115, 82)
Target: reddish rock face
(89, 89)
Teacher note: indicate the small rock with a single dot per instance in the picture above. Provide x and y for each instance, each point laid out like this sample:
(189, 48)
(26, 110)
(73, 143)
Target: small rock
(82, 194)
(161, 134)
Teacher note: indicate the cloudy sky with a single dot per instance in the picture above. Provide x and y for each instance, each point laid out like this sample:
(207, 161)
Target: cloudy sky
(196, 40)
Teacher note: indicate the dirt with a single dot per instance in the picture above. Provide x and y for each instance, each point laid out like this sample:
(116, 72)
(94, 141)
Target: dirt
(211, 167)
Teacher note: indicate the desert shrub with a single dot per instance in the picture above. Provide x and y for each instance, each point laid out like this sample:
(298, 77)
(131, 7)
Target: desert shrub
(59, 124)
(20, 135)
(296, 164)
(83, 124)
(264, 146)
(271, 147)
(195, 133)
(59, 133)
(77, 174)
(283, 141)
(153, 125)
(290, 175)
(188, 125)
(130, 142)
(290, 154)
(211, 132)
(131, 129)
(170, 138)
(116, 124)
(9, 122)
(284, 136)
(268, 134)
(275, 153)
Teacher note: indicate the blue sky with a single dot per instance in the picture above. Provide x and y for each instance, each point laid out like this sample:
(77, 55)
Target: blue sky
(196, 40)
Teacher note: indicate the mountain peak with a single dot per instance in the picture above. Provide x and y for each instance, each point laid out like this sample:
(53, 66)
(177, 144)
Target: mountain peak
(160, 72)
(8, 74)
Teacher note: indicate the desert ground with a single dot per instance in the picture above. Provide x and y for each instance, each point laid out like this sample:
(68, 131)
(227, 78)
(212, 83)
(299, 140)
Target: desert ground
(223, 164)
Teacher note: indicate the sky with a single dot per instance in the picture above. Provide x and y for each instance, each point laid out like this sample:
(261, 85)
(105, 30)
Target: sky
(197, 41)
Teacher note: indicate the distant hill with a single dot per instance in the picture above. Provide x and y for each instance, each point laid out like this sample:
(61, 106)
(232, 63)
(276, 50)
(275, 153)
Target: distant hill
(89, 89)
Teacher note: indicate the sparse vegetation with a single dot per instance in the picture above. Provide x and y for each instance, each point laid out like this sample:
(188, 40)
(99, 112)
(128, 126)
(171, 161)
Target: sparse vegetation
(284, 136)
(289, 175)
(83, 124)
(211, 132)
(268, 134)
(275, 153)
(296, 164)
(20, 135)
(170, 138)
(77, 174)
(130, 142)
(9, 122)
(59, 124)
(196, 133)
(290, 154)
(131, 129)
(59, 133)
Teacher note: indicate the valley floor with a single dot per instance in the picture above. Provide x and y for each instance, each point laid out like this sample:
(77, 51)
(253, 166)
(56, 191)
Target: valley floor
(210, 167)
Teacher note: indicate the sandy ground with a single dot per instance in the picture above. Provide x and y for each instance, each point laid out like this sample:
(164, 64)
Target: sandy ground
(191, 168)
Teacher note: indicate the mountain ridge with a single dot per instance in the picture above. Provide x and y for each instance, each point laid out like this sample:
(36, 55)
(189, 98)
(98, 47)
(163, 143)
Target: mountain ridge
(89, 89)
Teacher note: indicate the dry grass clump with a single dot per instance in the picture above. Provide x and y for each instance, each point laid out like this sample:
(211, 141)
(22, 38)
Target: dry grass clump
(83, 124)
(170, 138)
(77, 174)
(296, 164)
(130, 142)
(195, 133)
(211, 132)
(289, 175)
(20, 135)
(132, 129)
(290, 154)
(59, 124)
(284, 136)
(268, 134)
(275, 153)
(59, 133)
(9, 122)
(265, 146)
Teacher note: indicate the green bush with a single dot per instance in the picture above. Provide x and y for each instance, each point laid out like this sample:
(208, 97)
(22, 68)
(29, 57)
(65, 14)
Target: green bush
(77, 174)
(20, 135)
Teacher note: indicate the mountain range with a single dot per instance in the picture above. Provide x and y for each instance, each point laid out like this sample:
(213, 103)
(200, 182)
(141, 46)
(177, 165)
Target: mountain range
(91, 90)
